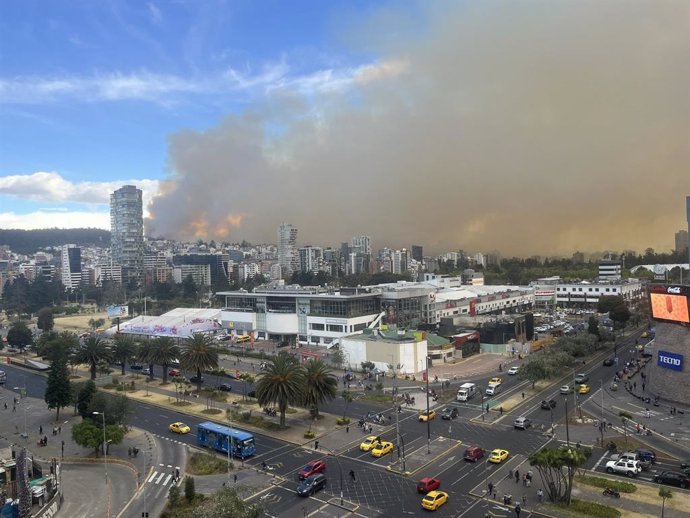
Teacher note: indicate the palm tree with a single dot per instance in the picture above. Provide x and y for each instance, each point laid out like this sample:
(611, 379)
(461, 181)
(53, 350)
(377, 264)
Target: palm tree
(320, 385)
(92, 351)
(664, 493)
(124, 350)
(146, 355)
(163, 352)
(282, 383)
(199, 353)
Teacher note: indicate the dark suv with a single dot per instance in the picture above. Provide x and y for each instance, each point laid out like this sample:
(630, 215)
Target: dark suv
(312, 484)
(450, 412)
(673, 478)
(646, 455)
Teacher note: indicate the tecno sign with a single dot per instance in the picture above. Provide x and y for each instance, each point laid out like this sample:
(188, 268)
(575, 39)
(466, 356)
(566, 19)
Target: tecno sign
(670, 361)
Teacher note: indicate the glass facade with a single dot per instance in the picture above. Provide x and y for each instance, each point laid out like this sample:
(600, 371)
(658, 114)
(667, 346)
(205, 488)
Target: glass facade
(345, 308)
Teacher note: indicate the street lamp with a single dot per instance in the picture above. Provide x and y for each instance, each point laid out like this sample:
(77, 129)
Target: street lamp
(428, 421)
(105, 445)
(567, 430)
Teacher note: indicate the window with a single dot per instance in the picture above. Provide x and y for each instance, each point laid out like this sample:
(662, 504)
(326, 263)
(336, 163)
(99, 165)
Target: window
(334, 328)
(317, 327)
(359, 327)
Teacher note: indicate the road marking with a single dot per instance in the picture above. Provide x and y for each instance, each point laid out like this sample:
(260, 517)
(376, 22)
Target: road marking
(160, 477)
(153, 475)
(167, 479)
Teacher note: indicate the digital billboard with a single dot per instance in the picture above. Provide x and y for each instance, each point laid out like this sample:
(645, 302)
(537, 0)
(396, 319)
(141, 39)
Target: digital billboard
(669, 303)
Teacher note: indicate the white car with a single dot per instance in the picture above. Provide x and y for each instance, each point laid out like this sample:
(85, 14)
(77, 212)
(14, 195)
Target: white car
(513, 370)
(567, 389)
(630, 468)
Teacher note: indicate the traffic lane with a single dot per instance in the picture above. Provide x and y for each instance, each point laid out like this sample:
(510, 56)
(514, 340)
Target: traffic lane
(34, 382)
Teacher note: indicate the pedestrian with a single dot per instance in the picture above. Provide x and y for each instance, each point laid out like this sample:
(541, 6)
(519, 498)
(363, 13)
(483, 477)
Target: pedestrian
(316, 445)
(347, 428)
(129, 451)
(529, 482)
(177, 474)
(487, 408)
(540, 495)
(635, 385)
(517, 510)
(352, 475)
(643, 387)
(5, 405)
(491, 487)
(14, 407)
(649, 414)
(234, 478)
(524, 479)
(500, 409)
(40, 430)
(523, 395)
(638, 428)
(59, 430)
(524, 500)
(517, 476)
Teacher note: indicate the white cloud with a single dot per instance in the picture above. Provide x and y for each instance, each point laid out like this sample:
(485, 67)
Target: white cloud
(50, 219)
(164, 88)
(53, 187)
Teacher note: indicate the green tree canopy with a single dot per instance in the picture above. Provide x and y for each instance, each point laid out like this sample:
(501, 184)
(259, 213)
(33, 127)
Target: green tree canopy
(58, 391)
(124, 350)
(320, 384)
(84, 397)
(19, 335)
(199, 353)
(92, 352)
(282, 383)
(45, 321)
(557, 468)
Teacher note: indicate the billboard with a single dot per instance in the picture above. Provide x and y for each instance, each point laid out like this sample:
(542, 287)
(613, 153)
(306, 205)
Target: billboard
(669, 360)
(669, 303)
(117, 311)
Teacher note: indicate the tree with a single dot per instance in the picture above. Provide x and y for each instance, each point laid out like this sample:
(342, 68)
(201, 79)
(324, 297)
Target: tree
(58, 392)
(593, 326)
(557, 468)
(92, 351)
(227, 502)
(19, 335)
(664, 493)
(87, 434)
(320, 384)
(199, 353)
(163, 352)
(45, 321)
(338, 359)
(95, 323)
(189, 490)
(282, 383)
(124, 349)
(620, 315)
(347, 396)
(84, 397)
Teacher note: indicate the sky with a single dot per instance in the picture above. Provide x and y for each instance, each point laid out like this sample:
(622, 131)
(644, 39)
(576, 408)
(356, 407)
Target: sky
(535, 127)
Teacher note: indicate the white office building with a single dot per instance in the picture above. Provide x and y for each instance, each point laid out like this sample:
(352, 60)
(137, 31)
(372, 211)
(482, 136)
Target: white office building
(71, 266)
(288, 257)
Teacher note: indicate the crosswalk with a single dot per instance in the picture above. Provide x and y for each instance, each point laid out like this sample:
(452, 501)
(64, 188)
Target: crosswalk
(164, 475)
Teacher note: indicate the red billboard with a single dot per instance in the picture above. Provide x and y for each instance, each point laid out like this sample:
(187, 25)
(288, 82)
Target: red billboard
(669, 303)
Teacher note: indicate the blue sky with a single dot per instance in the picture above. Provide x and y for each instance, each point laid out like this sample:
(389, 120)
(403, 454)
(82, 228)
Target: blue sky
(456, 124)
(91, 91)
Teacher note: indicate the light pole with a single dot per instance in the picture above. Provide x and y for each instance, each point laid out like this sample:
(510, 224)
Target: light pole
(105, 445)
(567, 430)
(428, 421)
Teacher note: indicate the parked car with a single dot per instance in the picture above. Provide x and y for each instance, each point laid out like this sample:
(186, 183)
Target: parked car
(136, 367)
(672, 478)
(312, 468)
(474, 453)
(547, 405)
(196, 379)
(312, 484)
(646, 455)
(629, 468)
(174, 372)
(450, 412)
(522, 423)
(428, 484)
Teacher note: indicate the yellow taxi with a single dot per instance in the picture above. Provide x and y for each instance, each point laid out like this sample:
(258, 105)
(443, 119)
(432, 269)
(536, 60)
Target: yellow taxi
(497, 456)
(584, 389)
(179, 428)
(495, 381)
(370, 442)
(427, 416)
(434, 499)
(382, 449)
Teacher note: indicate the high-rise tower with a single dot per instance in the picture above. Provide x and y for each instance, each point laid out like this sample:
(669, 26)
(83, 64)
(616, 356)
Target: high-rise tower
(71, 266)
(288, 257)
(127, 232)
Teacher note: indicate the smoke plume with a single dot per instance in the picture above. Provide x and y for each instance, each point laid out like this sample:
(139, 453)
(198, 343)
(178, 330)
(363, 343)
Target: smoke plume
(525, 127)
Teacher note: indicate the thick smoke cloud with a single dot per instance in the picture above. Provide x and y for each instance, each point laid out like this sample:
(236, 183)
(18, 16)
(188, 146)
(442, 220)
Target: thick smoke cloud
(540, 127)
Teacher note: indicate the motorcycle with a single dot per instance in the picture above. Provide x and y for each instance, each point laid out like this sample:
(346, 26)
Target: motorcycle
(611, 492)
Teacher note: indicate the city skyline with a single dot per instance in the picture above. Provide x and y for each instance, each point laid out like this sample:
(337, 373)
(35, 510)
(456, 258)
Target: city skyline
(453, 125)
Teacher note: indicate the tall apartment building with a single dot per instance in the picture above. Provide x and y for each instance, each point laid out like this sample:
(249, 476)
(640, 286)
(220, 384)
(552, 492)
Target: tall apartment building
(681, 241)
(71, 266)
(127, 232)
(610, 270)
(361, 244)
(311, 259)
(288, 258)
(418, 253)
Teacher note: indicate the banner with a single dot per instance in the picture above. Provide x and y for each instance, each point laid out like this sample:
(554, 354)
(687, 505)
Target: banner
(671, 361)
(117, 311)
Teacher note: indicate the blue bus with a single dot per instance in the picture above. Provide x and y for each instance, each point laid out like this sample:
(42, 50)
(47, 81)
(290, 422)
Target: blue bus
(220, 438)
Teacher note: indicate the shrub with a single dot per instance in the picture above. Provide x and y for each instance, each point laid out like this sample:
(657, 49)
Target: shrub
(343, 421)
(189, 490)
(309, 435)
(206, 464)
(593, 509)
(623, 487)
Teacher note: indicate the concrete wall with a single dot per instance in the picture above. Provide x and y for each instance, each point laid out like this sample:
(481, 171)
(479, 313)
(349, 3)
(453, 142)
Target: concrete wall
(669, 384)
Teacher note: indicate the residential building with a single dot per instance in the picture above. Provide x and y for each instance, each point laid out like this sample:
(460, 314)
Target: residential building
(610, 270)
(105, 272)
(288, 257)
(201, 273)
(418, 253)
(71, 266)
(127, 232)
(586, 294)
(361, 244)
(310, 259)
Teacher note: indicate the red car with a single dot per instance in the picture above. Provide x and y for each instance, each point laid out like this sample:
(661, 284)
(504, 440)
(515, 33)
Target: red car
(428, 484)
(174, 372)
(312, 468)
(473, 453)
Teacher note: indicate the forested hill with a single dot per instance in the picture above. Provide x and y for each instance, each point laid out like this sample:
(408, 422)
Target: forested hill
(28, 241)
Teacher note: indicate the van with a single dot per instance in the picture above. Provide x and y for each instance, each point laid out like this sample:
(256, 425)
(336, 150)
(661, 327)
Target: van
(466, 392)
(492, 390)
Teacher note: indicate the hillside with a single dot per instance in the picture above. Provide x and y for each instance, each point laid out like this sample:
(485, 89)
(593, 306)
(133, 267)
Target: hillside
(28, 241)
